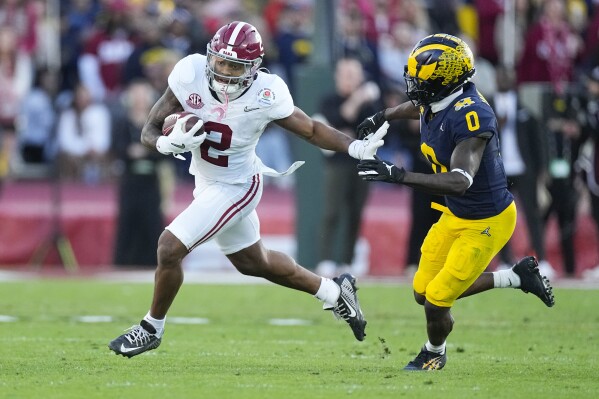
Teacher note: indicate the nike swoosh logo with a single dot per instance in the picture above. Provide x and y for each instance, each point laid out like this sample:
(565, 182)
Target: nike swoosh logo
(181, 146)
(127, 350)
(352, 311)
(248, 109)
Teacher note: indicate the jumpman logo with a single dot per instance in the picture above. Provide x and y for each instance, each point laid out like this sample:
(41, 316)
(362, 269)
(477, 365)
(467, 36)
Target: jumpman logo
(486, 231)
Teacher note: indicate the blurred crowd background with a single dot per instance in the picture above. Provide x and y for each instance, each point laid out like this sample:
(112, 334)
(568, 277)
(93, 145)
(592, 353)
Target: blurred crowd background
(78, 77)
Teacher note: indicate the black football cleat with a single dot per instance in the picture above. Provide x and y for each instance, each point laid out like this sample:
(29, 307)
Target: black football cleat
(136, 340)
(532, 281)
(426, 361)
(348, 307)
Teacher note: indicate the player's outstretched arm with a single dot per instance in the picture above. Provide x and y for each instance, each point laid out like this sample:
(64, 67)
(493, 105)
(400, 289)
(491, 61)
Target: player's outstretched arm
(152, 130)
(315, 132)
(405, 110)
(329, 138)
(465, 161)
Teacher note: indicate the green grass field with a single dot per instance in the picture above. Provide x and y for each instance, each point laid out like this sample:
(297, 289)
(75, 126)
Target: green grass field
(505, 344)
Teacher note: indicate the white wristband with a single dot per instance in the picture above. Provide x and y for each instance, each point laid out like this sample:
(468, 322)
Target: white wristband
(463, 172)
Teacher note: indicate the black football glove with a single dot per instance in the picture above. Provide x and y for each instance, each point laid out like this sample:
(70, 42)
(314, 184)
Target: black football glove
(371, 124)
(379, 170)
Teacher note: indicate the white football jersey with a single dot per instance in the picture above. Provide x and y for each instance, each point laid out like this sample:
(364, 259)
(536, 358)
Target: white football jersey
(228, 153)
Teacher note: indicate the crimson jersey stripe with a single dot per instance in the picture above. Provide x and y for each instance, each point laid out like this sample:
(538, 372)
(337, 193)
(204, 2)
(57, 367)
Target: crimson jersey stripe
(231, 211)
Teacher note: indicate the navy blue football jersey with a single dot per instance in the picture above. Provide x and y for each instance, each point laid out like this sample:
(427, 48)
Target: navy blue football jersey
(468, 116)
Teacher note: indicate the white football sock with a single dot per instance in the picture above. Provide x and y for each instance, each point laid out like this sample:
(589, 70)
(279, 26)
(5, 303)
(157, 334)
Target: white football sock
(440, 349)
(328, 292)
(158, 324)
(506, 279)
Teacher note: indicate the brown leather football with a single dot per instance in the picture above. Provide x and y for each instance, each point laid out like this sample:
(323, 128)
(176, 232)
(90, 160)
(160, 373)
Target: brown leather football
(169, 123)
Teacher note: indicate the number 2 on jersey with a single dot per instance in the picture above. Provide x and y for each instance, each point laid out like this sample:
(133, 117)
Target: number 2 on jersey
(226, 135)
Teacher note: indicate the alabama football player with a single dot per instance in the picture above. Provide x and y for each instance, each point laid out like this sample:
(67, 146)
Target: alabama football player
(235, 101)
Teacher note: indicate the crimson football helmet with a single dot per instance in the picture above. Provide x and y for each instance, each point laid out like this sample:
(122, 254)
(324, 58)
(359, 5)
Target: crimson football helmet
(437, 66)
(237, 43)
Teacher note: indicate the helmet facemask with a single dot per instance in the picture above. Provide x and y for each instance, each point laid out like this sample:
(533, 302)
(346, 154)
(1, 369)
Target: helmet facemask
(226, 84)
(418, 91)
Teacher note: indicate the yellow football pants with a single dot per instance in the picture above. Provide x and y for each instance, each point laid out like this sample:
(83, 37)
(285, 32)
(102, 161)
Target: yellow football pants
(456, 251)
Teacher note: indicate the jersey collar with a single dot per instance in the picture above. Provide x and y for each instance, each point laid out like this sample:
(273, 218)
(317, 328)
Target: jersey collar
(441, 105)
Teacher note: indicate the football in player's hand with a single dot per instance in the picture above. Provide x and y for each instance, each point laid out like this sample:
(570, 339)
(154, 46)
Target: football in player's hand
(169, 123)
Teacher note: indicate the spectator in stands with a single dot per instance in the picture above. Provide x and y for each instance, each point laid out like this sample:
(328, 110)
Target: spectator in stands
(415, 13)
(354, 43)
(23, 17)
(83, 138)
(293, 40)
(488, 13)
(345, 193)
(550, 49)
(394, 49)
(196, 28)
(105, 52)
(149, 46)
(140, 220)
(588, 162)
(591, 39)
(564, 115)
(176, 33)
(16, 76)
(510, 30)
(37, 118)
(271, 14)
(77, 23)
(524, 154)
(442, 15)
(380, 16)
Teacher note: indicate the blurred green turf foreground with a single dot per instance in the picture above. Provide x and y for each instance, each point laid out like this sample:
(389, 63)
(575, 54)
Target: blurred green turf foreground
(263, 341)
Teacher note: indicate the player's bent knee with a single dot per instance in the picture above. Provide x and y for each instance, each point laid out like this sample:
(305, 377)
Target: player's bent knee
(419, 298)
(171, 250)
(249, 261)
